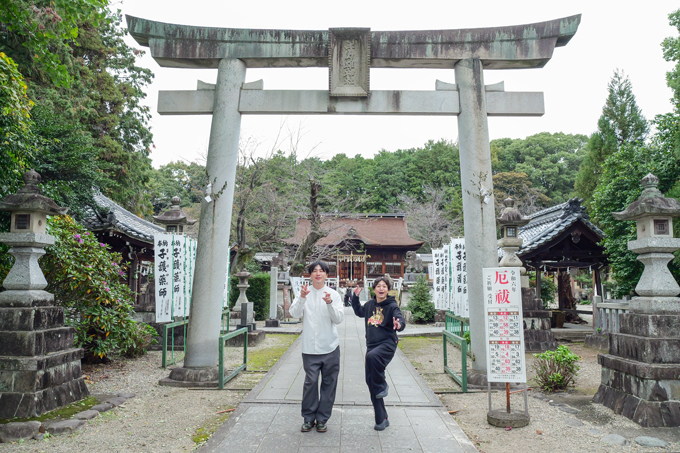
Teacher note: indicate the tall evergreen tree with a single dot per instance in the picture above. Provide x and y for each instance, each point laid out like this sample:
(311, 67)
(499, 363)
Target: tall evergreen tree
(621, 123)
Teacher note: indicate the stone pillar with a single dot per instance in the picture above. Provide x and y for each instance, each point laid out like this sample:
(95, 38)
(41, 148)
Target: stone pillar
(273, 303)
(213, 236)
(478, 202)
(39, 365)
(641, 373)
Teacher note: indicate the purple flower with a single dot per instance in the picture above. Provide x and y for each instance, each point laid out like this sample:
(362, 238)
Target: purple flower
(121, 272)
(80, 241)
(77, 236)
(87, 233)
(102, 244)
(107, 289)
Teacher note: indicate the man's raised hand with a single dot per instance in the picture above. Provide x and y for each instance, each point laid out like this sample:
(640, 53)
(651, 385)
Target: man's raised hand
(327, 298)
(357, 291)
(304, 291)
(397, 324)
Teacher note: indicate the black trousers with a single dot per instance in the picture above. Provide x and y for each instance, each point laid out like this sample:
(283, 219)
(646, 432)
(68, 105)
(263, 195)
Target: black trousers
(317, 403)
(377, 359)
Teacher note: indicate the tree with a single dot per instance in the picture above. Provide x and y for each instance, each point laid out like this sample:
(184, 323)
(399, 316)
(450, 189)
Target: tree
(17, 142)
(621, 122)
(551, 161)
(315, 233)
(78, 67)
(68, 162)
(177, 179)
(622, 171)
(427, 221)
(86, 279)
(528, 199)
(39, 35)
(420, 304)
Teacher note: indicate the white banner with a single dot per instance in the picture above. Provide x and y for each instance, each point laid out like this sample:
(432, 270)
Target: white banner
(174, 262)
(503, 325)
(440, 279)
(460, 305)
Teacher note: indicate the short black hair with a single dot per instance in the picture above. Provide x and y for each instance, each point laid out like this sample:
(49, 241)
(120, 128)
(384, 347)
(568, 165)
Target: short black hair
(382, 279)
(324, 267)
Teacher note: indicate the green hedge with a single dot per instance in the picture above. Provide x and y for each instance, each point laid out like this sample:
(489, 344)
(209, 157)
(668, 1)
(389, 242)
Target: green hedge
(258, 294)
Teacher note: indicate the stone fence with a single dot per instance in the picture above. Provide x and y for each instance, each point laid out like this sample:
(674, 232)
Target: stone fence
(605, 321)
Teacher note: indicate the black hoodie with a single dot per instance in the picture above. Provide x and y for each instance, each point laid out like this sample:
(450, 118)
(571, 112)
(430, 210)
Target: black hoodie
(379, 319)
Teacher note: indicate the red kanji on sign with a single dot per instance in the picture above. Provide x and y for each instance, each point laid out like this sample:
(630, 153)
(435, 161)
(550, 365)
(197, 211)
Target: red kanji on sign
(502, 277)
(502, 296)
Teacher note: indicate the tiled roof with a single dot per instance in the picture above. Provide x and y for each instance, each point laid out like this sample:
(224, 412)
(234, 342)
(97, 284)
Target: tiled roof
(545, 225)
(120, 220)
(373, 230)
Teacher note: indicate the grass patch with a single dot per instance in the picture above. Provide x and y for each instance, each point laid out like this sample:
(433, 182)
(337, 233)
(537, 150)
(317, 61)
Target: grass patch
(62, 413)
(415, 343)
(264, 359)
(204, 432)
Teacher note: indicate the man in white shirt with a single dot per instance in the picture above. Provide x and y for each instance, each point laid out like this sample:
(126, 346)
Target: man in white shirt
(321, 309)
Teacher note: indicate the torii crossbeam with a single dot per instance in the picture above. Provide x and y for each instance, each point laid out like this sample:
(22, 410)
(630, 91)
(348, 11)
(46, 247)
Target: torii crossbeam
(349, 53)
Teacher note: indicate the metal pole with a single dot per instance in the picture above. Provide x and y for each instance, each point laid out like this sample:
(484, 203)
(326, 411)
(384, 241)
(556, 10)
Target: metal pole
(507, 395)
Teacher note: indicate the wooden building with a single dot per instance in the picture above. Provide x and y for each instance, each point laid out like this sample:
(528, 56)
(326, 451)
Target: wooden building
(132, 237)
(362, 246)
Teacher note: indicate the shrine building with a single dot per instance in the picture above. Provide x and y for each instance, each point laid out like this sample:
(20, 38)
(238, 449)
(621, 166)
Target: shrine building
(359, 246)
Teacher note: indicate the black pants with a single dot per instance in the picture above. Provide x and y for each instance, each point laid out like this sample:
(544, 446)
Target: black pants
(377, 359)
(317, 403)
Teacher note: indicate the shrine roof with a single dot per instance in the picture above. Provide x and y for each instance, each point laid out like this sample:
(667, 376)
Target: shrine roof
(121, 220)
(376, 230)
(546, 225)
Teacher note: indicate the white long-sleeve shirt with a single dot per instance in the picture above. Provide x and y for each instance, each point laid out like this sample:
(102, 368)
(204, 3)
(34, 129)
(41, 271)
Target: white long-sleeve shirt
(319, 331)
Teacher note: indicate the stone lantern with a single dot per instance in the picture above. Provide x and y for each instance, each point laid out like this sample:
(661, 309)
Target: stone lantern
(174, 218)
(242, 305)
(509, 222)
(641, 373)
(536, 320)
(40, 367)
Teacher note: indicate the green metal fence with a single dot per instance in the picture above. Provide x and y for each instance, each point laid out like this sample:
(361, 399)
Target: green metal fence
(223, 338)
(165, 360)
(457, 324)
(448, 337)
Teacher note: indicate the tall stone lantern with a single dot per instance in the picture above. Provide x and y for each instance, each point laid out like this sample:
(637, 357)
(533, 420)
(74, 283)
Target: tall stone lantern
(536, 320)
(39, 367)
(174, 218)
(641, 373)
(509, 222)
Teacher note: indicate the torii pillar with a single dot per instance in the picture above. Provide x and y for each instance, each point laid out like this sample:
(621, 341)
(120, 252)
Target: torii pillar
(349, 53)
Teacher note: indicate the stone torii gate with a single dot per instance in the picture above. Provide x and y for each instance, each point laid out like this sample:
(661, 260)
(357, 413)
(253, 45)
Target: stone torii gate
(349, 53)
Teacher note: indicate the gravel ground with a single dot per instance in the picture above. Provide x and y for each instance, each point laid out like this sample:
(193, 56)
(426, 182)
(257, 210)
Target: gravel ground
(551, 428)
(158, 419)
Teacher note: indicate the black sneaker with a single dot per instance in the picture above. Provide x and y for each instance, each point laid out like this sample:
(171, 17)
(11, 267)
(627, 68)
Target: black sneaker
(307, 427)
(383, 394)
(382, 426)
(321, 427)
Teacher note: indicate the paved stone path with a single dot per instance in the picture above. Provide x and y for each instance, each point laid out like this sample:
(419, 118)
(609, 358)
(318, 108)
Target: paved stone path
(268, 419)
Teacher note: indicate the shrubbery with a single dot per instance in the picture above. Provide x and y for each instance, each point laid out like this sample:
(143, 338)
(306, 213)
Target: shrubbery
(87, 280)
(420, 304)
(555, 370)
(258, 294)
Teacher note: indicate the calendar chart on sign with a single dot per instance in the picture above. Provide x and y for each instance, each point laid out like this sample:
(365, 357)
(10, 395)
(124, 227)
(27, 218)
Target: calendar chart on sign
(503, 325)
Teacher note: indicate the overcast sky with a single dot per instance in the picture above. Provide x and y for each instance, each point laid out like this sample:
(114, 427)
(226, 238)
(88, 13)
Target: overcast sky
(574, 82)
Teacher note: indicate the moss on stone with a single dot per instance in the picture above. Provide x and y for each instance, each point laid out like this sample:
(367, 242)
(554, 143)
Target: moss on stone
(59, 414)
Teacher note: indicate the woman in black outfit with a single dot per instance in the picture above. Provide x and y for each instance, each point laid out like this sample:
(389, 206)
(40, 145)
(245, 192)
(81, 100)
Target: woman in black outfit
(383, 320)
